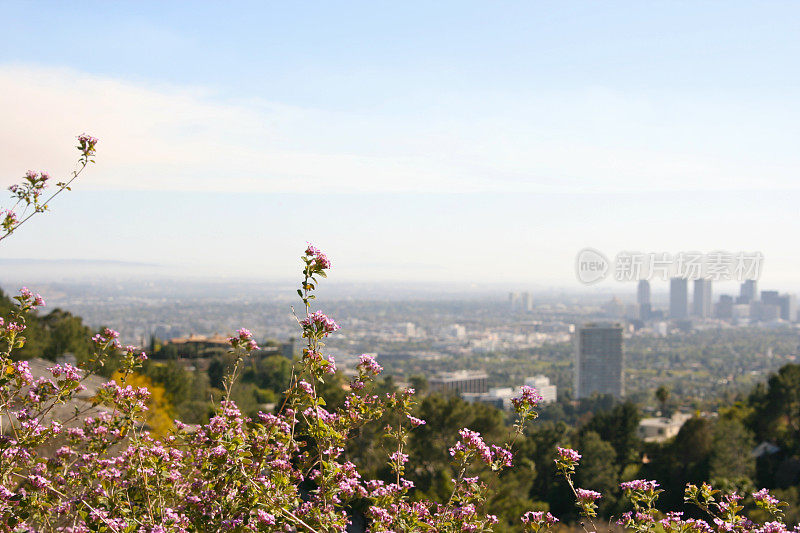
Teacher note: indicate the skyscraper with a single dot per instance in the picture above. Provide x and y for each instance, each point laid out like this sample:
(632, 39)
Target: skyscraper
(701, 304)
(598, 360)
(725, 306)
(748, 292)
(643, 292)
(770, 298)
(678, 298)
(786, 304)
(527, 301)
(643, 299)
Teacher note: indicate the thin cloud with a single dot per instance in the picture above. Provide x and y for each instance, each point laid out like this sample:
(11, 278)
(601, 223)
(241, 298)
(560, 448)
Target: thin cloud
(158, 137)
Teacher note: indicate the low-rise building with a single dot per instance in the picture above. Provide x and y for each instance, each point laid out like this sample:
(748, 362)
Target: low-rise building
(661, 428)
(501, 397)
(459, 382)
(498, 397)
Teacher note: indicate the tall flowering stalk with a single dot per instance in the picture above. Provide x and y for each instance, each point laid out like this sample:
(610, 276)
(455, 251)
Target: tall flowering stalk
(29, 193)
(242, 344)
(305, 400)
(586, 500)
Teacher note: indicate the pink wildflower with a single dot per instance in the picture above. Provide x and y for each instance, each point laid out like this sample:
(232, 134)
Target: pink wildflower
(318, 322)
(530, 398)
(587, 496)
(368, 364)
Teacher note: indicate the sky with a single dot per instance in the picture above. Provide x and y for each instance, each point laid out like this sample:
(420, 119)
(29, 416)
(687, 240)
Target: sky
(466, 142)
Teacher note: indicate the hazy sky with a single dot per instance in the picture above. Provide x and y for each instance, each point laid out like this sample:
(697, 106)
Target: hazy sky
(471, 141)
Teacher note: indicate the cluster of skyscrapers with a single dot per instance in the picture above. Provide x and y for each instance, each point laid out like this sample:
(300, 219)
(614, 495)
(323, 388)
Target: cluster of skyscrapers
(748, 306)
(599, 357)
(520, 301)
(679, 298)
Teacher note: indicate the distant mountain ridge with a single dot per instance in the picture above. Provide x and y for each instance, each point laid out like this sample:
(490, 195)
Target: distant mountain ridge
(98, 262)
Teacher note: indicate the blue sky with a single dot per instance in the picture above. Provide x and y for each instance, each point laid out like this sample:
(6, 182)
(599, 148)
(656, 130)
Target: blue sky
(414, 141)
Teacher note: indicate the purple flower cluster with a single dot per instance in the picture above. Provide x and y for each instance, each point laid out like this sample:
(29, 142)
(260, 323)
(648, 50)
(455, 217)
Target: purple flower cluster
(502, 456)
(587, 496)
(540, 518)
(319, 260)
(472, 444)
(23, 371)
(318, 323)
(330, 368)
(415, 422)
(764, 496)
(131, 351)
(639, 484)
(774, 527)
(8, 219)
(567, 456)
(529, 398)
(87, 144)
(28, 192)
(127, 399)
(108, 338)
(369, 365)
(305, 386)
(399, 457)
(31, 300)
(11, 327)
(243, 339)
(66, 371)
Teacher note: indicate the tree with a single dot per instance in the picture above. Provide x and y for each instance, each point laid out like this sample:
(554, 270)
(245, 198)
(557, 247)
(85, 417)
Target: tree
(777, 409)
(540, 447)
(730, 452)
(692, 449)
(619, 427)
(216, 372)
(598, 470)
(419, 383)
(270, 372)
(176, 380)
(662, 395)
